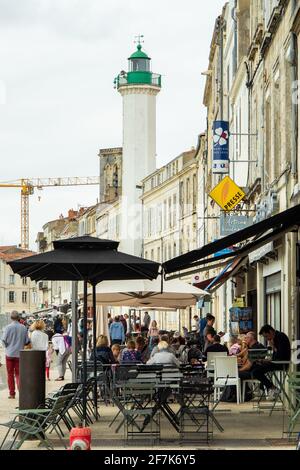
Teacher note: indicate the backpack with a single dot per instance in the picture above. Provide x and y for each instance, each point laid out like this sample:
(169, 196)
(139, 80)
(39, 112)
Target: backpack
(68, 342)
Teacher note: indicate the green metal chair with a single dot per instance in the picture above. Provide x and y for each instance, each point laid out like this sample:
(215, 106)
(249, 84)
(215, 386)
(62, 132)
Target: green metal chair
(294, 412)
(36, 423)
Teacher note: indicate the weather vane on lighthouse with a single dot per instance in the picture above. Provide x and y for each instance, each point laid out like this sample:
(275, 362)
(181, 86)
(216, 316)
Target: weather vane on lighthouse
(139, 40)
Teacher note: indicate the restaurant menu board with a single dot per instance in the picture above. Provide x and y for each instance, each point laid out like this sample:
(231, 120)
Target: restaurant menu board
(241, 320)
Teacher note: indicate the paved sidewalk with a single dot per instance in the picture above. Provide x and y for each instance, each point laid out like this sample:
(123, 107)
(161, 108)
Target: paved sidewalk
(245, 429)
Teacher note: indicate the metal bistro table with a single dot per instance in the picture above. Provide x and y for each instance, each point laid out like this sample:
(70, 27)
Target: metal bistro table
(279, 378)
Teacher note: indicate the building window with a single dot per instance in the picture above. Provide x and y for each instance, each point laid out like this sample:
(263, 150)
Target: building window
(188, 190)
(11, 297)
(174, 209)
(273, 301)
(152, 255)
(170, 212)
(24, 297)
(165, 215)
(24, 281)
(195, 192)
(12, 279)
(158, 255)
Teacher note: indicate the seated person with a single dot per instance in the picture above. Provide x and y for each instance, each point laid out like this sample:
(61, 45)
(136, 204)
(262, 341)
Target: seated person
(142, 346)
(177, 345)
(165, 338)
(164, 356)
(194, 353)
(130, 354)
(103, 352)
(116, 350)
(215, 346)
(235, 346)
(281, 352)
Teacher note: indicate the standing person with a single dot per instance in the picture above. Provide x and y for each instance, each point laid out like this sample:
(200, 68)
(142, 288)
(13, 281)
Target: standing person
(195, 323)
(49, 356)
(39, 339)
(124, 323)
(146, 322)
(153, 333)
(14, 338)
(62, 348)
(209, 329)
(58, 325)
(116, 331)
(128, 329)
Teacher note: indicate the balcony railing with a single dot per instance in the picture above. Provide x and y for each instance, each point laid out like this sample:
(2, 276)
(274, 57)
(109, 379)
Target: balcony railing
(138, 78)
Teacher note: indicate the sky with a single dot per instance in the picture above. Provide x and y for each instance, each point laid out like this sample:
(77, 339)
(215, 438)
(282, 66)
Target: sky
(58, 106)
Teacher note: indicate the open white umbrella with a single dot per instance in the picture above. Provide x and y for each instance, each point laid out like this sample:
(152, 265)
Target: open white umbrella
(172, 294)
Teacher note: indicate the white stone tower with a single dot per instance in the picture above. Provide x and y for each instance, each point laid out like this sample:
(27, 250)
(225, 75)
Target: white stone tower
(139, 88)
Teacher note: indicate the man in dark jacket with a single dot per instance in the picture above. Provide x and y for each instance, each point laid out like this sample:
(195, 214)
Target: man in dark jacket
(281, 353)
(216, 346)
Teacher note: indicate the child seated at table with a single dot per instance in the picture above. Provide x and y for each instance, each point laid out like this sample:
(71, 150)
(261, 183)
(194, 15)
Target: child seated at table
(130, 354)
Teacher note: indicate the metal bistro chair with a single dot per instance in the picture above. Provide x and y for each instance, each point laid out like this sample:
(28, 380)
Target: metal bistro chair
(140, 419)
(194, 413)
(227, 374)
(36, 423)
(294, 413)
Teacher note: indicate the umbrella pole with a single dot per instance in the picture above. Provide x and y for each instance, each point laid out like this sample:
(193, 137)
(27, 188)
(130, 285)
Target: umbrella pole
(95, 357)
(84, 364)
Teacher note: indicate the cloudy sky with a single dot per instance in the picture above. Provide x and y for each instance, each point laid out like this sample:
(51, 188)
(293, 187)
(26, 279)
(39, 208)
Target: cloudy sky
(58, 60)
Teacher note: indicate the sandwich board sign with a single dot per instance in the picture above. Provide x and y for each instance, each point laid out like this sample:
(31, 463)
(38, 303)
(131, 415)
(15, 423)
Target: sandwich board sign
(227, 194)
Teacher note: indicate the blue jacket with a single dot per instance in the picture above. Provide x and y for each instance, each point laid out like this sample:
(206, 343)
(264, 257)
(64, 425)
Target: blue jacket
(202, 325)
(116, 331)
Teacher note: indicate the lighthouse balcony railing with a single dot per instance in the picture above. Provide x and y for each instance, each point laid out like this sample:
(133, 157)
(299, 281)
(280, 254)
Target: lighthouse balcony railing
(138, 78)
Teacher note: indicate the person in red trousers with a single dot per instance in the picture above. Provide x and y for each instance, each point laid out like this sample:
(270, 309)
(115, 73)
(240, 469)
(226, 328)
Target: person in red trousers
(14, 338)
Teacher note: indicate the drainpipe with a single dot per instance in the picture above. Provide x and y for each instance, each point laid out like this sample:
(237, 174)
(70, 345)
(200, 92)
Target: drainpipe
(235, 52)
(293, 61)
(221, 68)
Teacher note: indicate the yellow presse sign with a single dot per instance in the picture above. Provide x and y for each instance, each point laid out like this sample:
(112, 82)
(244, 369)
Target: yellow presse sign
(227, 194)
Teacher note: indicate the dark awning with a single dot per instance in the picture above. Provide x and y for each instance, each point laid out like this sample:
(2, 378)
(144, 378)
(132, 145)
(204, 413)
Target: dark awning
(256, 235)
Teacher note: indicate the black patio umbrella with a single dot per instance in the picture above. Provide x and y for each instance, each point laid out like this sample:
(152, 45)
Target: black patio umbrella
(90, 260)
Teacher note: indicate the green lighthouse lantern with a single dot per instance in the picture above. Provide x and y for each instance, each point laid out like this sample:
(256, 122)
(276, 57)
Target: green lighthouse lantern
(139, 70)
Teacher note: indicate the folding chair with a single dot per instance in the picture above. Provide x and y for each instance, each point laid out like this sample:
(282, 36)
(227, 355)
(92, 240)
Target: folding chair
(36, 423)
(294, 413)
(140, 418)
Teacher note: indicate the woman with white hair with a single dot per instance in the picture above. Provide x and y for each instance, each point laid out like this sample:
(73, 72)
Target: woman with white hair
(163, 356)
(39, 339)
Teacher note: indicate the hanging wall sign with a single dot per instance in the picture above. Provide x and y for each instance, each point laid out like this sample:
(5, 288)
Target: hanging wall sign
(230, 223)
(227, 194)
(221, 147)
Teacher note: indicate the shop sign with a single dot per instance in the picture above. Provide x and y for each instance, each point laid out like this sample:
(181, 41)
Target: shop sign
(230, 223)
(261, 252)
(221, 147)
(196, 279)
(227, 194)
(239, 302)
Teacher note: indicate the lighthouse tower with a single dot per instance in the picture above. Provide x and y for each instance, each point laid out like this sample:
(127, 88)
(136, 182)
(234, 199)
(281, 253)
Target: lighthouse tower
(138, 87)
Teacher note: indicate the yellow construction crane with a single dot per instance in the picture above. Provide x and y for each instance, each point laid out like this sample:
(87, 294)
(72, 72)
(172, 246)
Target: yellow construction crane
(28, 186)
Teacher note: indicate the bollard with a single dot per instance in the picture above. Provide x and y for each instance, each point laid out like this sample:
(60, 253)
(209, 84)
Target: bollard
(80, 438)
(32, 379)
